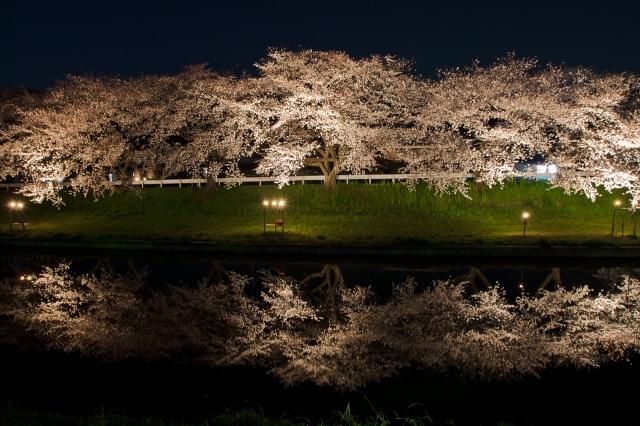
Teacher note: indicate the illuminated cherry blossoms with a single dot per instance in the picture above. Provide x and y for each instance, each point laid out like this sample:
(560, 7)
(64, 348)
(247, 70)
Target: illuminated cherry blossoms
(331, 111)
(318, 329)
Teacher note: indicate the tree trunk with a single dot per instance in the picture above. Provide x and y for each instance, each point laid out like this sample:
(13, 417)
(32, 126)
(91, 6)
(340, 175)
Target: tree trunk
(211, 183)
(477, 177)
(329, 164)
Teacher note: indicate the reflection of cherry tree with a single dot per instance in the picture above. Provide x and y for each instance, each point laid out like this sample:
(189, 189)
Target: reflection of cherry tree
(440, 328)
(436, 329)
(115, 317)
(555, 276)
(289, 329)
(332, 283)
(584, 330)
(470, 279)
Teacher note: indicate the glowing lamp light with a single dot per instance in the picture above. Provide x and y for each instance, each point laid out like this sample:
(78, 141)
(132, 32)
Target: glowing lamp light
(19, 205)
(525, 219)
(12, 205)
(613, 218)
(275, 204)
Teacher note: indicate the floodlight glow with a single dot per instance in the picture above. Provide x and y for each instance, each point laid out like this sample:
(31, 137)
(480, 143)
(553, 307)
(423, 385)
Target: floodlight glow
(273, 203)
(266, 203)
(281, 203)
(12, 205)
(525, 220)
(19, 205)
(618, 203)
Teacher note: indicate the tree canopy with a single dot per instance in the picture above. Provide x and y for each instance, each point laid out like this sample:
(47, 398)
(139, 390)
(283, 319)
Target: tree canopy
(326, 109)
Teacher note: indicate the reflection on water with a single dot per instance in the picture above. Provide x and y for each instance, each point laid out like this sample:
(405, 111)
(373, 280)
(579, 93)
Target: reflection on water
(318, 326)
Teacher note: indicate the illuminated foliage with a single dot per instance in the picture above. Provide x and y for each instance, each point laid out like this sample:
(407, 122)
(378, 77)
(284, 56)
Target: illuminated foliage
(337, 112)
(324, 332)
(328, 110)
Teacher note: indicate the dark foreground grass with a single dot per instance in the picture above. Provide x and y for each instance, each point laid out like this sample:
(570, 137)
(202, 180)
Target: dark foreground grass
(14, 416)
(351, 214)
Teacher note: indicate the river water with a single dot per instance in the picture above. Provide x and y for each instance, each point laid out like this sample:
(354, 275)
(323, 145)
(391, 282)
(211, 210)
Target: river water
(183, 336)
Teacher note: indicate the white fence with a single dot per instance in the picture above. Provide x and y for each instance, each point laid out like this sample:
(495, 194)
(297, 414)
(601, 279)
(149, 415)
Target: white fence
(302, 179)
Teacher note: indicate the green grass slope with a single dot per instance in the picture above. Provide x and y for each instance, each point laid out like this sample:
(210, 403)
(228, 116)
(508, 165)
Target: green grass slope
(351, 214)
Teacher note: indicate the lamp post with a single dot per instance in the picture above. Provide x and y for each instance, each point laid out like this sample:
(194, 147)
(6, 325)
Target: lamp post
(275, 204)
(13, 205)
(265, 204)
(525, 219)
(613, 219)
(281, 204)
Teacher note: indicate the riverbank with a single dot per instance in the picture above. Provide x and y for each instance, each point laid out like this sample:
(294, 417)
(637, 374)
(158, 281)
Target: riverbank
(279, 249)
(386, 217)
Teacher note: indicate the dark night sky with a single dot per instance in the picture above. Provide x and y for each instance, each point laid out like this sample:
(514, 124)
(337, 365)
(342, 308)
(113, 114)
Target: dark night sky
(42, 41)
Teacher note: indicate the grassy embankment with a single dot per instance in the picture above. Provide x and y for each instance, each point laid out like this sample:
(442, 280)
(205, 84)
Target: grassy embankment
(352, 214)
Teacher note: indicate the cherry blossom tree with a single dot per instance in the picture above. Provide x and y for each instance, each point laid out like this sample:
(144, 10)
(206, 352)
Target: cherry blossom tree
(484, 120)
(328, 110)
(220, 126)
(87, 128)
(73, 134)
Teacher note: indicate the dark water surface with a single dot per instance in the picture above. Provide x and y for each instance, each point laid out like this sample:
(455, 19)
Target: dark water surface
(82, 382)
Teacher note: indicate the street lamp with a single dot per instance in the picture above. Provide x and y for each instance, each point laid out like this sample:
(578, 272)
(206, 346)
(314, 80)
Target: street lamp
(15, 206)
(613, 219)
(265, 204)
(525, 219)
(281, 204)
(275, 204)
